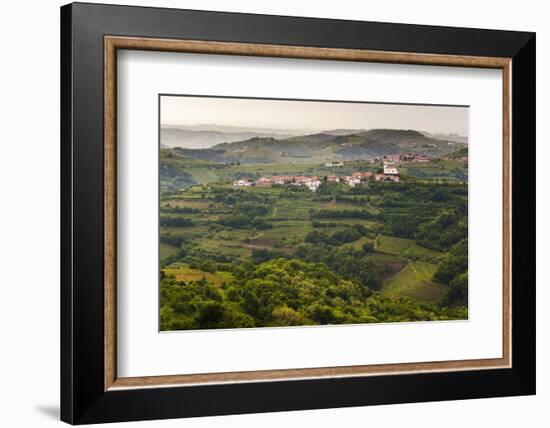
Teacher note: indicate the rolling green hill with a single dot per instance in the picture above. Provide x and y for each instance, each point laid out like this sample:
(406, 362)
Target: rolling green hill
(323, 146)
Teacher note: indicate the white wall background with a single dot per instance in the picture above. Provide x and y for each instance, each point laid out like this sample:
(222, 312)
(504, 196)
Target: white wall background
(29, 214)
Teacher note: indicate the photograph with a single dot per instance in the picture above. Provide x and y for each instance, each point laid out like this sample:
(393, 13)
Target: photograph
(279, 212)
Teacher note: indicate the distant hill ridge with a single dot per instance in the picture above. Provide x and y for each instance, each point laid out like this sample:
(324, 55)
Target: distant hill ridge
(200, 139)
(324, 146)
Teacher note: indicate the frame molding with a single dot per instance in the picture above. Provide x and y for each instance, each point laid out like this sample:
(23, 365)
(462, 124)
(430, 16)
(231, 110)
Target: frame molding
(90, 391)
(114, 43)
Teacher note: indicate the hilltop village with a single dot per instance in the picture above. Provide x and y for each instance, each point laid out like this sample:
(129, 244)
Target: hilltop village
(390, 173)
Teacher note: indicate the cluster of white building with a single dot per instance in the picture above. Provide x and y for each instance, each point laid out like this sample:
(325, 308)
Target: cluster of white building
(351, 180)
(391, 173)
(311, 182)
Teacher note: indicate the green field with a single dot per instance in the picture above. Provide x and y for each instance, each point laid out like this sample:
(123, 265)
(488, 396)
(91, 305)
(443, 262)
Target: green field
(415, 281)
(293, 209)
(403, 247)
(392, 244)
(451, 170)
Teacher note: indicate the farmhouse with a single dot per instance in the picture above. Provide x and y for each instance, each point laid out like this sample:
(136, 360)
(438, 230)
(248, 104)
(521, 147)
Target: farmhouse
(243, 182)
(352, 181)
(391, 173)
(313, 185)
(333, 179)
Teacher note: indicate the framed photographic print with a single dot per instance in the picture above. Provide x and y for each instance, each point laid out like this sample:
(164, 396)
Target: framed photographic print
(266, 213)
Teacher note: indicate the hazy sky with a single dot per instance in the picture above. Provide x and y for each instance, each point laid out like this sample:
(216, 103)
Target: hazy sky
(311, 115)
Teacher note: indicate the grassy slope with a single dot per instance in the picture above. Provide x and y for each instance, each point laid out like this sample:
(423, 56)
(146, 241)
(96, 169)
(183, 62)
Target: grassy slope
(167, 250)
(394, 245)
(415, 281)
